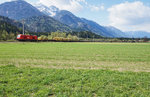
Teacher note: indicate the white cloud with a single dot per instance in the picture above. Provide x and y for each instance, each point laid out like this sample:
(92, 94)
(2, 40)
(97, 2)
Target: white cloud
(96, 8)
(130, 16)
(2, 1)
(70, 5)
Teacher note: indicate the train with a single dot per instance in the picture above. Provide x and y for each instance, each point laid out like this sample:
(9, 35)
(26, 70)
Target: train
(34, 38)
(22, 37)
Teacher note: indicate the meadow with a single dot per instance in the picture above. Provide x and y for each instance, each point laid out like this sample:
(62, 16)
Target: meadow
(74, 69)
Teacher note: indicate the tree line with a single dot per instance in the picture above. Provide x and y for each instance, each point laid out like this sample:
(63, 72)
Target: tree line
(59, 36)
(81, 34)
(86, 36)
(8, 31)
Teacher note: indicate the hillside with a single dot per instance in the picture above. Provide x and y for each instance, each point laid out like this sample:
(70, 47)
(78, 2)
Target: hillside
(18, 9)
(11, 21)
(115, 32)
(45, 24)
(8, 27)
(8, 31)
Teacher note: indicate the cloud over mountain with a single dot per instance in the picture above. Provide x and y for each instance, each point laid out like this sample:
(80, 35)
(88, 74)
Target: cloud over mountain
(70, 5)
(130, 16)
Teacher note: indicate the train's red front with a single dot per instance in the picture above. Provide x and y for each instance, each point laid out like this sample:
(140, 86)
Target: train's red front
(22, 37)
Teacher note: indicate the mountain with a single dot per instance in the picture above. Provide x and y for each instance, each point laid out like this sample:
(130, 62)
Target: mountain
(50, 11)
(41, 21)
(45, 24)
(138, 34)
(63, 16)
(49, 19)
(98, 29)
(73, 21)
(116, 33)
(68, 18)
(18, 10)
(35, 21)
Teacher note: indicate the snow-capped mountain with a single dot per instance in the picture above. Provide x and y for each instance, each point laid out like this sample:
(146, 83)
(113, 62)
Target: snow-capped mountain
(73, 21)
(50, 11)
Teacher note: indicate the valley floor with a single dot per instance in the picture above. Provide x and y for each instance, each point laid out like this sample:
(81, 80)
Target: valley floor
(74, 69)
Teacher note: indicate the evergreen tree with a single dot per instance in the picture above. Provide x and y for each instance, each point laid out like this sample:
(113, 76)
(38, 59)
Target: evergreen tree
(11, 36)
(0, 35)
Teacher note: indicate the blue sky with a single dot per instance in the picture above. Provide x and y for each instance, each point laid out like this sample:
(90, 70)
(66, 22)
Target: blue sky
(127, 15)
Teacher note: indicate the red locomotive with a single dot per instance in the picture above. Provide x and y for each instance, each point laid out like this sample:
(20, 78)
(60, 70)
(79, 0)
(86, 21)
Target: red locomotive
(22, 37)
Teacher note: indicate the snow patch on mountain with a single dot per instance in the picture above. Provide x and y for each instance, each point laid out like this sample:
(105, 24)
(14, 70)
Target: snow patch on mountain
(50, 11)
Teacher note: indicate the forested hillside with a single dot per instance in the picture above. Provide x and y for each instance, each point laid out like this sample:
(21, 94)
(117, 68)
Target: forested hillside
(8, 31)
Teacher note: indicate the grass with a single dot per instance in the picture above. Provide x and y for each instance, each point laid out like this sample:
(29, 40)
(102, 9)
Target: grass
(115, 56)
(37, 82)
(74, 69)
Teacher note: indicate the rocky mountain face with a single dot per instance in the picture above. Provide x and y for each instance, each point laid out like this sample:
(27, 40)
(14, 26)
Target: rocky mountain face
(18, 10)
(115, 32)
(98, 29)
(50, 11)
(70, 19)
(45, 24)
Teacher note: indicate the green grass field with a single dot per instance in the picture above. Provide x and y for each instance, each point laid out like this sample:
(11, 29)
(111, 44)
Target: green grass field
(74, 69)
